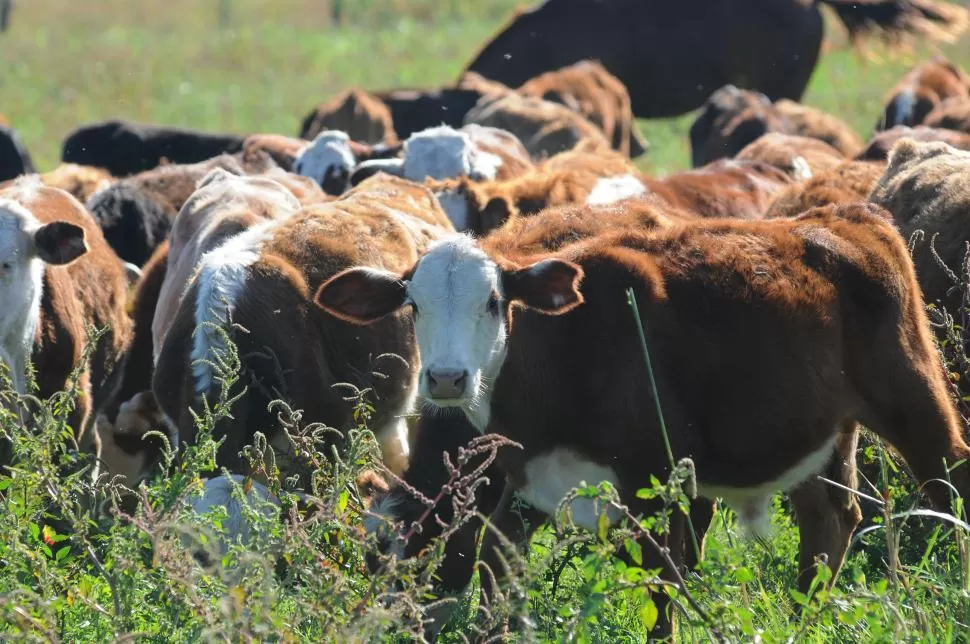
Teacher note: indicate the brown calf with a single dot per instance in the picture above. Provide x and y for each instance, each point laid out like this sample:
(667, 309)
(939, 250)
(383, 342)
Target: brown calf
(60, 277)
(878, 147)
(81, 181)
(264, 279)
(820, 325)
(807, 121)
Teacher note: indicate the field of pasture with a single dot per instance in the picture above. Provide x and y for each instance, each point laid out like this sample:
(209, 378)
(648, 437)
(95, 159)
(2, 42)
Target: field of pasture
(253, 65)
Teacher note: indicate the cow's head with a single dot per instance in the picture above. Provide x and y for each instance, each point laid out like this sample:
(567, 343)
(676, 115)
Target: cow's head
(461, 300)
(328, 160)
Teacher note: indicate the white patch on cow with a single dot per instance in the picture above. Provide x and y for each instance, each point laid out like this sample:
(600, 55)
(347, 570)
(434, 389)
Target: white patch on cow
(905, 101)
(455, 205)
(612, 189)
(484, 165)
(455, 330)
(801, 171)
(218, 492)
(550, 476)
(21, 286)
(221, 276)
(752, 503)
(439, 153)
(329, 153)
(395, 446)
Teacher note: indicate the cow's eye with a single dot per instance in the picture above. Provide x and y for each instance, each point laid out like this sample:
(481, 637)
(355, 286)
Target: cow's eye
(492, 305)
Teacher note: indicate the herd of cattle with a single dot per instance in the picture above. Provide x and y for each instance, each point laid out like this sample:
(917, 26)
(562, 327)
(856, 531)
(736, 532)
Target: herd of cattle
(462, 256)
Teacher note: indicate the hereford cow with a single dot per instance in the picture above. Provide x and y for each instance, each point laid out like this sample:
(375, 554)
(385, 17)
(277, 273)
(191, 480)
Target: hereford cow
(283, 150)
(921, 90)
(726, 188)
(61, 278)
(799, 157)
(124, 148)
(820, 326)
(849, 182)
(672, 55)
(264, 280)
(362, 116)
(544, 127)
(474, 151)
(223, 206)
(587, 88)
(591, 171)
(878, 147)
(332, 157)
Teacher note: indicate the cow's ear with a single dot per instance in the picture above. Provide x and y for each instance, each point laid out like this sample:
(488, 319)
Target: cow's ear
(362, 295)
(550, 286)
(59, 242)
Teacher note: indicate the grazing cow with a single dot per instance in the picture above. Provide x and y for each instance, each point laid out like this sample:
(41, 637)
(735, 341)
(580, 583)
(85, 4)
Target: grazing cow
(362, 116)
(820, 326)
(921, 90)
(849, 182)
(60, 277)
(672, 55)
(136, 212)
(926, 187)
(332, 157)
(878, 147)
(14, 158)
(799, 157)
(124, 147)
(544, 127)
(415, 110)
(811, 122)
(474, 151)
(81, 181)
(733, 118)
(587, 88)
(264, 279)
(223, 206)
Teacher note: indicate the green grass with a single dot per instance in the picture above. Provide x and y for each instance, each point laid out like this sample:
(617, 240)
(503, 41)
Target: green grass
(66, 63)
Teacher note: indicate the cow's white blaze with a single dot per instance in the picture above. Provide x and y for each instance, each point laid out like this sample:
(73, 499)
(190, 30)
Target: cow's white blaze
(439, 152)
(21, 286)
(456, 329)
(612, 189)
(328, 154)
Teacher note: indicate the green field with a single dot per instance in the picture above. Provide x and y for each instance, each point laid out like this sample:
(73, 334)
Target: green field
(260, 66)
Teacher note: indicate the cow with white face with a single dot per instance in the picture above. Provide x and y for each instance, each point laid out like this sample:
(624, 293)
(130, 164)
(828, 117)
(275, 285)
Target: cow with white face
(757, 396)
(58, 276)
(460, 299)
(328, 160)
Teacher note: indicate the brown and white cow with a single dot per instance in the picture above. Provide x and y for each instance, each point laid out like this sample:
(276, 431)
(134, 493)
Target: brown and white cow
(820, 325)
(58, 277)
(848, 182)
(223, 206)
(263, 280)
(800, 157)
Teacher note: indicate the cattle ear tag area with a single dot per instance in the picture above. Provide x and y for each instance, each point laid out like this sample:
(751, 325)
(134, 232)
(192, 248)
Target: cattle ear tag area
(60, 242)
